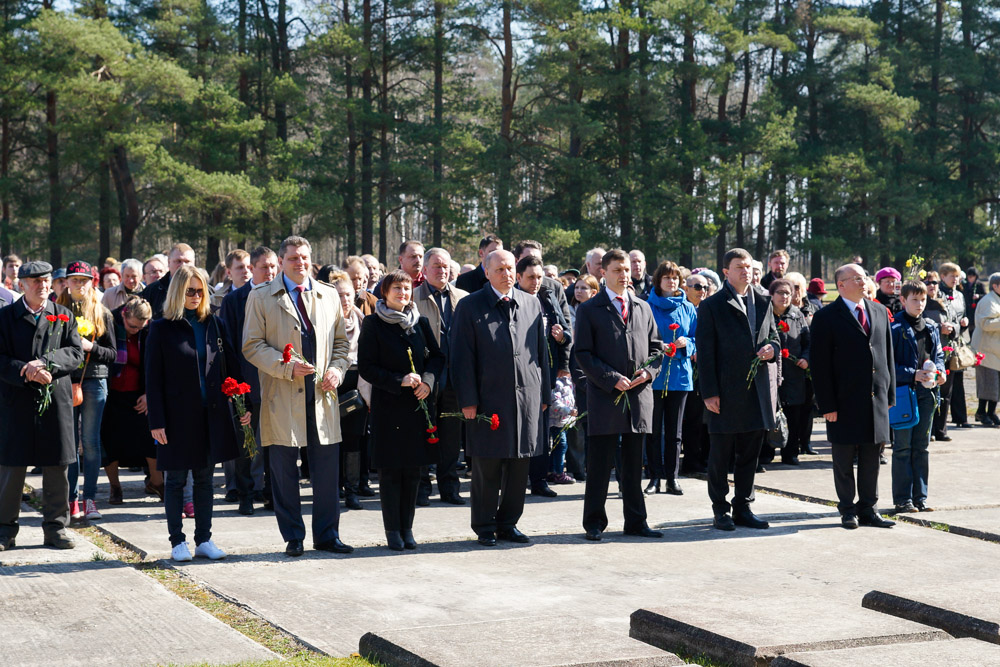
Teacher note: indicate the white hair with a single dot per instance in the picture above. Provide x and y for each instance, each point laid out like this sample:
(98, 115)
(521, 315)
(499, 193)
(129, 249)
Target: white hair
(132, 263)
(594, 251)
(437, 251)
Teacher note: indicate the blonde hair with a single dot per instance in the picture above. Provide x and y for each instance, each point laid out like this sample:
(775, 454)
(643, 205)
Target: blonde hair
(173, 307)
(949, 269)
(799, 281)
(90, 307)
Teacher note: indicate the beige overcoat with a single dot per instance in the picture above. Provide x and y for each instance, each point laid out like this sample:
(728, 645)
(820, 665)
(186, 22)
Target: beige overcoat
(271, 323)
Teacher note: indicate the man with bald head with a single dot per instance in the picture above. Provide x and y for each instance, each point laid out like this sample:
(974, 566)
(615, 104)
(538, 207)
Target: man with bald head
(854, 377)
(156, 293)
(642, 282)
(499, 366)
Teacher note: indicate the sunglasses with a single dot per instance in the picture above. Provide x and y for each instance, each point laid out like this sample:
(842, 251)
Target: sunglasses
(931, 282)
(194, 291)
(699, 288)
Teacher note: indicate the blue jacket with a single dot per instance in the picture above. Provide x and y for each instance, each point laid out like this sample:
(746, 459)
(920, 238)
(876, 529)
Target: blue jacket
(669, 310)
(904, 348)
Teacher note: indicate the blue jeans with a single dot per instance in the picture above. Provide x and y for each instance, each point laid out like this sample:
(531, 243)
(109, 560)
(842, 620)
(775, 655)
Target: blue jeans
(87, 427)
(909, 453)
(559, 452)
(173, 502)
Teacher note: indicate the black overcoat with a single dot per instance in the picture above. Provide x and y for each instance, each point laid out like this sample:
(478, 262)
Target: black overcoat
(198, 435)
(501, 367)
(796, 340)
(607, 350)
(726, 349)
(27, 439)
(854, 374)
(156, 295)
(399, 426)
(233, 314)
(472, 281)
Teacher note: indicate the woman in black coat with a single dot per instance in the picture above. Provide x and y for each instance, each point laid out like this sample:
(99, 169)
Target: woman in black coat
(399, 426)
(795, 391)
(189, 416)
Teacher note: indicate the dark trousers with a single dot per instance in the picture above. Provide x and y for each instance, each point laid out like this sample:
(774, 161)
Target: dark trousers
(173, 504)
(576, 451)
(959, 413)
(449, 449)
(694, 434)
(55, 500)
(324, 462)
(799, 429)
(941, 416)
(843, 477)
(746, 448)
(663, 446)
(600, 459)
(538, 469)
(498, 487)
(397, 489)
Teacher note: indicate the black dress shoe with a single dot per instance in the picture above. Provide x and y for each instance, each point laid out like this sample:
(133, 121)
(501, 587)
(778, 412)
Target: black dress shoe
(809, 450)
(673, 488)
(232, 496)
(487, 539)
(747, 518)
(294, 548)
(423, 501)
(246, 507)
(543, 491)
(394, 540)
(334, 546)
(513, 535)
(794, 461)
(593, 535)
(366, 491)
(652, 487)
(761, 468)
(408, 541)
(351, 501)
(724, 522)
(453, 499)
(994, 418)
(643, 531)
(962, 425)
(875, 520)
(6, 543)
(849, 521)
(942, 437)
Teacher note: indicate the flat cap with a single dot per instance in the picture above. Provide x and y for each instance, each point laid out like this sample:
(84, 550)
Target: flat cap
(36, 269)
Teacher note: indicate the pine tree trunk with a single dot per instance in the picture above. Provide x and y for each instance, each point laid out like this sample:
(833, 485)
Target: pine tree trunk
(367, 223)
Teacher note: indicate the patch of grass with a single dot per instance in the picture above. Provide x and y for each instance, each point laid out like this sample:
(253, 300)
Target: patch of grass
(107, 543)
(305, 661)
(700, 659)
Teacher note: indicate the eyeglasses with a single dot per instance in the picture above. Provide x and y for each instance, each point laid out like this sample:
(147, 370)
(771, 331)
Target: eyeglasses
(931, 282)
(699, 288)
(194, 291)
(782, 293)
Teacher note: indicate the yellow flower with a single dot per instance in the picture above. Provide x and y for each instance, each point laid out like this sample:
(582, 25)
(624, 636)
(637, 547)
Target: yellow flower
(85, 327)
(923, 274)
(909, 263)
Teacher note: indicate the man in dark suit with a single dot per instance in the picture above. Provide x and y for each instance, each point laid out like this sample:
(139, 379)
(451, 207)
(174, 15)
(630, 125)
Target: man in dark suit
(411, 262)
(619, 349)
(735, 327)
(499, 365)
(264, 267)
(474, 280)
(642, 282)
(854, 378)
(437, 300)
(156, 293)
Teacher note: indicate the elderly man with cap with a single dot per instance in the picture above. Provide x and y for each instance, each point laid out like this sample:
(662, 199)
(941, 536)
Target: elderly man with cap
(39, 348)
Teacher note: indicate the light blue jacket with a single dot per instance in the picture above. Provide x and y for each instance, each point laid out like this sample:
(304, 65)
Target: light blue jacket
(669, 310)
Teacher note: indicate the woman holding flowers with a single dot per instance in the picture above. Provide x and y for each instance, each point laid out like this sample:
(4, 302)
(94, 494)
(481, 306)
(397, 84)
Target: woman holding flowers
(795, 392)
(916, 346)
(189, 414)
(97, 336)
(677, 321)
(398, 356)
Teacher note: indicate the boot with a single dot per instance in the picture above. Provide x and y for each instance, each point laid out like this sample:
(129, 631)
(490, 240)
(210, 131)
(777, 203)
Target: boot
(394, 539)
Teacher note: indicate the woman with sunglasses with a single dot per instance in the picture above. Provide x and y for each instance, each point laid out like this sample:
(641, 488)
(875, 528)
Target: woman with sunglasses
(99, 349)
(189, 416)
(946, 319)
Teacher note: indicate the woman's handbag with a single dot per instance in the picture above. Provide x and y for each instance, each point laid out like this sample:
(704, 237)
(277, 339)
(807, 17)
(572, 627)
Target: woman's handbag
(962, 357)
(350, 402)
(778, 437)
(78, 386)
(904, 414)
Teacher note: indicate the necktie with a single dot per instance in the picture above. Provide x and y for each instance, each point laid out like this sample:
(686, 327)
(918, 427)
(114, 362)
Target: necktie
(621, 300)
(301, 305)
(862, 319)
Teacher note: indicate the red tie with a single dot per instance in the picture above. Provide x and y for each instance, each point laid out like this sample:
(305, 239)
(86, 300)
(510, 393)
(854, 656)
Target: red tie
(863, 319)
(301, 304)
(624, 309)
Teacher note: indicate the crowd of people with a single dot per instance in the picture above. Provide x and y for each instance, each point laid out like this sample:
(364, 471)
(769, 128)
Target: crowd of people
(510, 372)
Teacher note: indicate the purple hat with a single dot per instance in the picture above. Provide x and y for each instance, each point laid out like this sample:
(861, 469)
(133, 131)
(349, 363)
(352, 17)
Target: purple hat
(887, 272)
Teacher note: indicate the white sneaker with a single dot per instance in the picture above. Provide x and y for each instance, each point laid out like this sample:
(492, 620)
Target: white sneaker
(209, 550)
(180, 553)
(91, 512)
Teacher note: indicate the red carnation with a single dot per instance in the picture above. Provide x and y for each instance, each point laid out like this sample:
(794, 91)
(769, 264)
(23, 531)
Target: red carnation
(63, 317)
(52, 318)
(286, 356)
(432, 429)
(230, 387)
(671, 350)
(783, 327)
(494, 422)
(674, 326)
(785, 353)
(244, 388)
(433, 440)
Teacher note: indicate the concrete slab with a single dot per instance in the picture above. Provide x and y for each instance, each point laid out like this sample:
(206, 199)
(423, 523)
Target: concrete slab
(527, 642)
(752, 630)
(72, 614)
(963, 609)
(981, 523)
(29, 549)
(953, 653)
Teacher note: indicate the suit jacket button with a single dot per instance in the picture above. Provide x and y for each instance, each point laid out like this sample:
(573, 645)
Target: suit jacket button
(301, 390)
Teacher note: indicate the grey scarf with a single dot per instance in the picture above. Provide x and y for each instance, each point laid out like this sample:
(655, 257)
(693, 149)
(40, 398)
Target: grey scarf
(406, 318)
